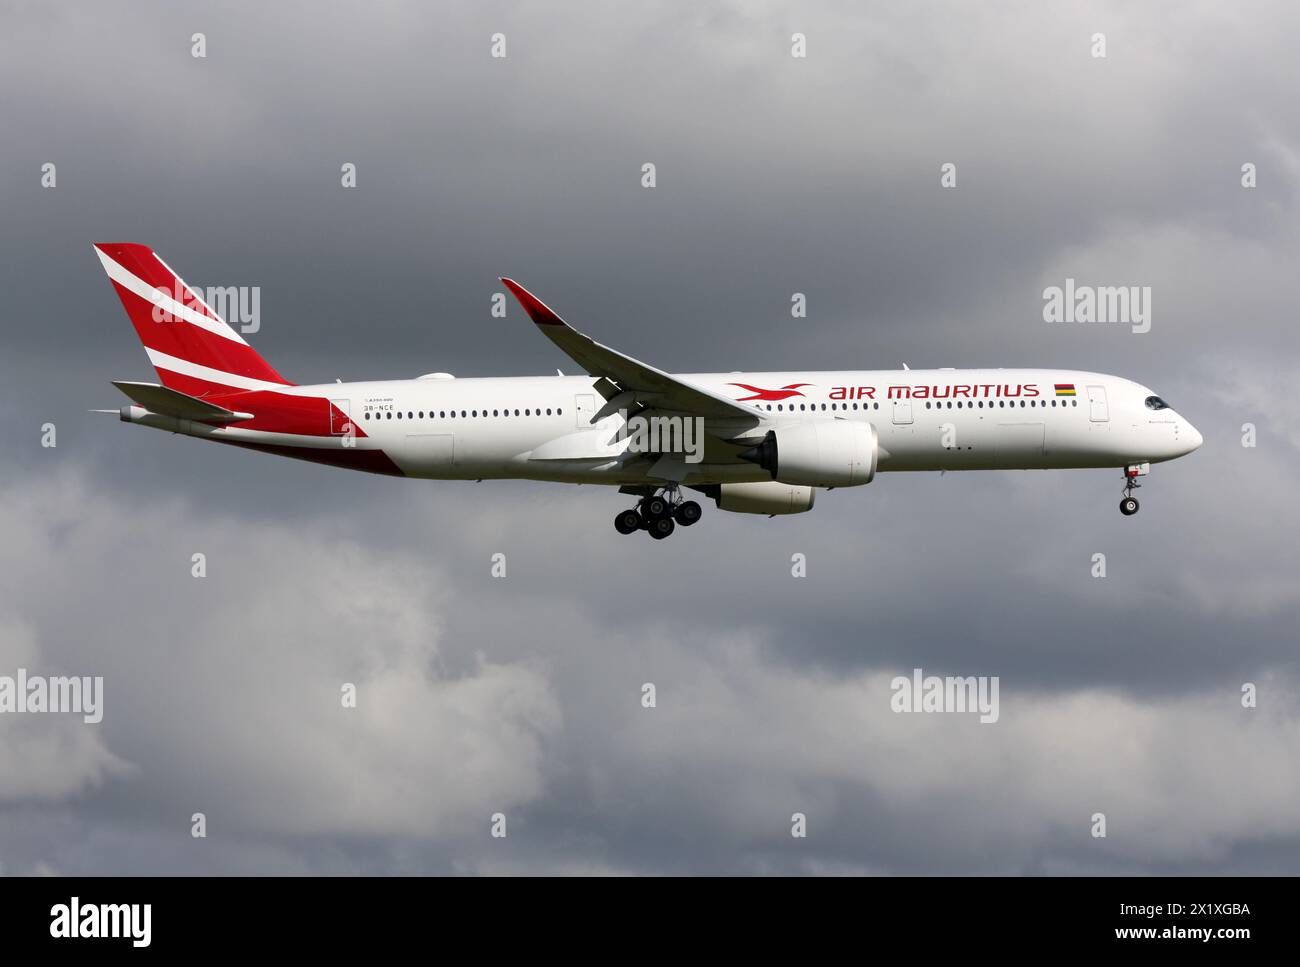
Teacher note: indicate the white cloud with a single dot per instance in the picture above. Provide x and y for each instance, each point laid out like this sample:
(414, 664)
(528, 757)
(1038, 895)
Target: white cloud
(224, 691)
(46, 757)
(227, 689)
(758, 742)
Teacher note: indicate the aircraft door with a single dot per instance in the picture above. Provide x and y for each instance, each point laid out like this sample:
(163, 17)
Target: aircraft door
(583, 410)
(341, 418)
(902, 411)
(1098, 411)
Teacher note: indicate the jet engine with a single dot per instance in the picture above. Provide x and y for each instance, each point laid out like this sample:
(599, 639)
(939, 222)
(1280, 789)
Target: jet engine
(764, 497)
(821, 453)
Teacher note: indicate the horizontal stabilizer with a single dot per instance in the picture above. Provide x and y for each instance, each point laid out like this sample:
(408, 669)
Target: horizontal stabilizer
(170, 402)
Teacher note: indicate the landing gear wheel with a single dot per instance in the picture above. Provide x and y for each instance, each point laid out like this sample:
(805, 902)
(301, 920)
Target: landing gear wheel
(1128, 506)
(627, 522)
(687, 513)
(661, 527)
(655, 507)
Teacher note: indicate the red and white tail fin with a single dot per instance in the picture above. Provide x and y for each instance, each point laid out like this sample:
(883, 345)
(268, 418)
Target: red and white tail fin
(193, 349)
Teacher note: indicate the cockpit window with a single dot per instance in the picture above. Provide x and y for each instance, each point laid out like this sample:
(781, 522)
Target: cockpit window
(1156, 403)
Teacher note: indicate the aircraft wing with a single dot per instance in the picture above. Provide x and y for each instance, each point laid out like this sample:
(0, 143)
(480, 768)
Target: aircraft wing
(634, 380)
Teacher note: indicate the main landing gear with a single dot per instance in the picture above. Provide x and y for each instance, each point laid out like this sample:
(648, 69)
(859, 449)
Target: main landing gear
(658, 514)
(1129, 505)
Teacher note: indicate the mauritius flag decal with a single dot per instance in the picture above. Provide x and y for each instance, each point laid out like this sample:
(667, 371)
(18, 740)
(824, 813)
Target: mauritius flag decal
(1064, 389)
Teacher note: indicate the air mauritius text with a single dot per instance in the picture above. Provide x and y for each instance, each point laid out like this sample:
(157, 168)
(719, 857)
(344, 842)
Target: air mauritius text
(922, 693)
(37, 693)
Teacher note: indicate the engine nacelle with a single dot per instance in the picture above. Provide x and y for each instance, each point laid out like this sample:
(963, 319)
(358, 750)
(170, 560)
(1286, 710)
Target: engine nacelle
(764, 497)
(822, 453)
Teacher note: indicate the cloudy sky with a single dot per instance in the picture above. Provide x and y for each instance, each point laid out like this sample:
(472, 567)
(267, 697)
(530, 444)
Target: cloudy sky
(522, 695)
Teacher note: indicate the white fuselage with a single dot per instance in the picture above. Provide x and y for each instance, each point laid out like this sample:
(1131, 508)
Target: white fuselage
(541, 427)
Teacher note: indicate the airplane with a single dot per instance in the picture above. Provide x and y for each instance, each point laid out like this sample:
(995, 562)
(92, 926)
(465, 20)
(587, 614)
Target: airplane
(755, 443)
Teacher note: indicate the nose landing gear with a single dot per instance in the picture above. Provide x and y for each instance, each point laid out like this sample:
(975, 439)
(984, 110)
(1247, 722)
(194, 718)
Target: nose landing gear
(1129, 505)
(659, 514)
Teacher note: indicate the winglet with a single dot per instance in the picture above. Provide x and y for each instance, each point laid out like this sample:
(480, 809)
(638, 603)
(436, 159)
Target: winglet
(537, 310)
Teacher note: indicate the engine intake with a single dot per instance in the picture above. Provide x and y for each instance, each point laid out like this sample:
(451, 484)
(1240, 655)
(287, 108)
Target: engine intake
(823, 453)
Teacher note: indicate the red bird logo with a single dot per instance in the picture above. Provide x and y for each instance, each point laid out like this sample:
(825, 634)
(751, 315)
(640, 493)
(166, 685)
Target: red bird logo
(769, 395)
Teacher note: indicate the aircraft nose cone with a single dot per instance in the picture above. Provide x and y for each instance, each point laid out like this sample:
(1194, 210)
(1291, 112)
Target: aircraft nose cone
(1193, 438)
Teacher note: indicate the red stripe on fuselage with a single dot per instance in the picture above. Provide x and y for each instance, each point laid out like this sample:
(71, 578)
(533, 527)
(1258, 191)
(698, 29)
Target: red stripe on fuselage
(369, 461)
(280, 413)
